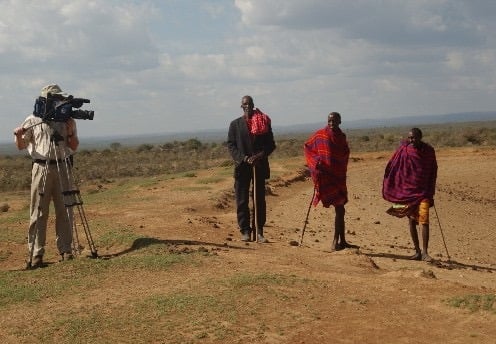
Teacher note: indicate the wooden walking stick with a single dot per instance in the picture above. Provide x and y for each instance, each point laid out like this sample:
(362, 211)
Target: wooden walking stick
(306, 218)
(442, 234)
(255, 215)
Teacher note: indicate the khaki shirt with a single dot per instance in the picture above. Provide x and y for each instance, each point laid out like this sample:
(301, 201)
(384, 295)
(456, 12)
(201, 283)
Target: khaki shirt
(39, 135)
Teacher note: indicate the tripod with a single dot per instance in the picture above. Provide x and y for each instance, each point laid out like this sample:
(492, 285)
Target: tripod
(71, 197)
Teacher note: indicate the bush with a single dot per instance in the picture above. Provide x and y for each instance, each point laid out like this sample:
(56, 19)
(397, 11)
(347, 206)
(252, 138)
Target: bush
(184, 156)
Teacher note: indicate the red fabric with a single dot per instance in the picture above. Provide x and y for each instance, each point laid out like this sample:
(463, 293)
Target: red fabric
(327, 154)
(410, 175)
(259, 123)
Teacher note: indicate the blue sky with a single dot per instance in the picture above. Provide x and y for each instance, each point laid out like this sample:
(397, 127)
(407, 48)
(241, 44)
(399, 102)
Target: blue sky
(174, 66)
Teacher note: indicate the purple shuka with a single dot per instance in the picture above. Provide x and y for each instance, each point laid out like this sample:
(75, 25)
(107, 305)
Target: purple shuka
(410, 174)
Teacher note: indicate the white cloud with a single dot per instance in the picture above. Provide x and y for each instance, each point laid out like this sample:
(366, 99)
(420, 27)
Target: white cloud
(455, 60)
(385, 22)
(151, 66)
(201, 67)
(76, 34)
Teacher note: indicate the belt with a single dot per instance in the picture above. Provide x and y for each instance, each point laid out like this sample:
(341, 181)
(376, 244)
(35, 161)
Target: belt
(52, 162)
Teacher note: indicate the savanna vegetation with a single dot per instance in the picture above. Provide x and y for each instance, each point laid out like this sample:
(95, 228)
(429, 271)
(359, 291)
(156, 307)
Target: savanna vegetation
(171, 269)
(145, 160)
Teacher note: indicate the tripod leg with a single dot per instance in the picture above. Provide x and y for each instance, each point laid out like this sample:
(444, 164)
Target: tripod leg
(86, 229)
(72, 198)
(62, 202)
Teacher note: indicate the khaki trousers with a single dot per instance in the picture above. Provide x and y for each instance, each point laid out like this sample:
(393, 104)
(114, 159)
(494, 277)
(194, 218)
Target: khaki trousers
(40, 206)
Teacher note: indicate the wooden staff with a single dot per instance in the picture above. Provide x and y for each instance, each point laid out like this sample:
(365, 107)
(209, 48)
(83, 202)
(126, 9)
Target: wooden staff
(255, 215)
(306, 218)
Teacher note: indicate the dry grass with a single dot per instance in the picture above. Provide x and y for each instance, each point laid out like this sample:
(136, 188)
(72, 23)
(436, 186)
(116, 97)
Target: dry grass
(171, 158)
(172, 269)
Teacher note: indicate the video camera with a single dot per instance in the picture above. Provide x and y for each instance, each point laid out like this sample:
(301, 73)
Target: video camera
(58, 108)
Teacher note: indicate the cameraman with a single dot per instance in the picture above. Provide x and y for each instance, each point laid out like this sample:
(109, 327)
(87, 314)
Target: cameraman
(35, 134)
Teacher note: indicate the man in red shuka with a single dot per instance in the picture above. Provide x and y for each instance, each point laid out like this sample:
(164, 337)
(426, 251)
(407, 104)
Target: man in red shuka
(327, 153)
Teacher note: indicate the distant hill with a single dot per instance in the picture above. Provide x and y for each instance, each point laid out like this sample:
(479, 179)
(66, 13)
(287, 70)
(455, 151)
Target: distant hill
(220, 134)
(396, 121)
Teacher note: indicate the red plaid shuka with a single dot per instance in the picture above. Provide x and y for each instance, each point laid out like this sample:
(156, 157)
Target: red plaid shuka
(259, 123)
(327, 154)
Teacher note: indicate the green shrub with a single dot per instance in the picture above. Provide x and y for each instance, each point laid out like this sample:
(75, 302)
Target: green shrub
(147, 160)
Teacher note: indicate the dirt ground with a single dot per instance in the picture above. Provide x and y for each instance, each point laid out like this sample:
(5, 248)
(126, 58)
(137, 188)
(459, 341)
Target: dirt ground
(373, 294)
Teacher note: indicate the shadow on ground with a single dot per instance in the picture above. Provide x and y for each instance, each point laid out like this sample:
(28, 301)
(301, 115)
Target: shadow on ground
(442, 264)
(144, 242)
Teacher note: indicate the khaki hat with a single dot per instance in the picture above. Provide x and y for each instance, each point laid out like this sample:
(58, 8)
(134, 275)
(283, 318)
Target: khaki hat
(52, 89)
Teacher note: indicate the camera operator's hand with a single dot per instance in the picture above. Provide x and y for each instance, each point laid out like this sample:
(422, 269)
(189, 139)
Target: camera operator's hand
(254, 159)
(19, 140)
(19, 131)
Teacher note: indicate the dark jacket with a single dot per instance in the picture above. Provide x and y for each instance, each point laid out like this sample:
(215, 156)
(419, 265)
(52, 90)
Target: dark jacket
(241, 144)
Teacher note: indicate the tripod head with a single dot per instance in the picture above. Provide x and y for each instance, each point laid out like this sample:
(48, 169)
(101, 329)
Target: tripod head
(56, 137)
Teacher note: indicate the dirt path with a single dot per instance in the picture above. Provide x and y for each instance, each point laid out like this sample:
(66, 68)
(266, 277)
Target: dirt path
(367, 295)
(372, 294)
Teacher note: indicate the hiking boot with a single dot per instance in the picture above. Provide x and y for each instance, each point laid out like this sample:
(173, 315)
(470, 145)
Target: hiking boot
(37, 262)
(245, 235)
(67, 256)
